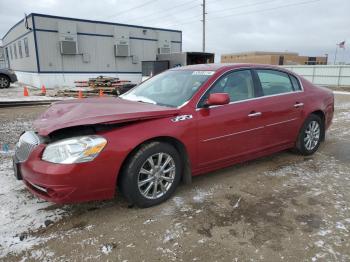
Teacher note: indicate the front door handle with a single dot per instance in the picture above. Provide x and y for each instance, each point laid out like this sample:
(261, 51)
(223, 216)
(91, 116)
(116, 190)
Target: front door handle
(254, 114)
(297, 105)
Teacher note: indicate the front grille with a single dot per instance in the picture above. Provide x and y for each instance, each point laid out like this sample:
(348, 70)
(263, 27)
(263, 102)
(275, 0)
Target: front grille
(26, 143)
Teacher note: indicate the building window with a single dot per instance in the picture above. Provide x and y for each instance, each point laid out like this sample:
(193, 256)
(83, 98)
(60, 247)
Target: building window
(11, 55)
(26, 47)
(20, 49)
(15, 50)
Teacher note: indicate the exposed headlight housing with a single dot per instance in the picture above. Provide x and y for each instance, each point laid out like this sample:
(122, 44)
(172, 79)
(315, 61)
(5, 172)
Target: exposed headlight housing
(74, 150)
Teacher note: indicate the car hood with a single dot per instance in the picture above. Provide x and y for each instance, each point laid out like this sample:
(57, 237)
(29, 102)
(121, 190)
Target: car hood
(92, 111)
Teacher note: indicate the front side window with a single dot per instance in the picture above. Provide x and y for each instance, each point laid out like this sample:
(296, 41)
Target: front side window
(26, 47)
(20, 49)
(274, 82)
(238, 85)
(172, 88)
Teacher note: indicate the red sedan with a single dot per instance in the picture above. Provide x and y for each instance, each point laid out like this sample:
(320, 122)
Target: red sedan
(181, 123)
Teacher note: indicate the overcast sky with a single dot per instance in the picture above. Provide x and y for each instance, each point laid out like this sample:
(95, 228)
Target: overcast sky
(309, 27)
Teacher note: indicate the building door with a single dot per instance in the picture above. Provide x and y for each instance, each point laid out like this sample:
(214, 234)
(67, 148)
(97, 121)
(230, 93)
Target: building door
(311, 60)
(281, 60)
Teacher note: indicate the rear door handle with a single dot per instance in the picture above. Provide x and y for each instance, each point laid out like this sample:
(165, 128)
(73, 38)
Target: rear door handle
(254, 114)
(297, 105)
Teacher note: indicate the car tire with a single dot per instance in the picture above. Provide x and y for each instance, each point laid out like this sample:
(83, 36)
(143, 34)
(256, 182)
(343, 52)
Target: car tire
(4, 81)
(310, 135)
(151, 175)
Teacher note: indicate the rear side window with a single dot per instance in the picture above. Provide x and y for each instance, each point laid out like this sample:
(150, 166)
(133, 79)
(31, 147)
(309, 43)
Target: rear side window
(274, 82)
(295, 82)
(238, 85)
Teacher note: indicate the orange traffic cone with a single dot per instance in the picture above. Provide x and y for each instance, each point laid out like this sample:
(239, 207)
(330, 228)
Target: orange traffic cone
(25, 91)
(101, 93)
(80, 94)
(43, 90)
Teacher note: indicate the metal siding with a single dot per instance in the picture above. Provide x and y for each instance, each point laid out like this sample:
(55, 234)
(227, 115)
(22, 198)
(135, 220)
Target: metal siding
(18, 33)
(98, 41)
(95, 38)
(175, 47)
(149, 50)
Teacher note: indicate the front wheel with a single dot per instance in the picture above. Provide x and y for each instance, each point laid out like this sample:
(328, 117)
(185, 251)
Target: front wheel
(4, 81)
(151, 175)
(310, 135)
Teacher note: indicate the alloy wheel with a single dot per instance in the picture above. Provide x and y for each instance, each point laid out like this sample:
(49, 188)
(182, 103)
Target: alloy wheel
(3, 82)
(312, 135)
(156, 175)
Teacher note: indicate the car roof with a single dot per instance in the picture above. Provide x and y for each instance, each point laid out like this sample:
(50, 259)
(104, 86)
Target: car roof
(227, 66)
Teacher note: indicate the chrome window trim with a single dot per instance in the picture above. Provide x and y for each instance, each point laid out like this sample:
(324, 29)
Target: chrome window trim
(250, 99)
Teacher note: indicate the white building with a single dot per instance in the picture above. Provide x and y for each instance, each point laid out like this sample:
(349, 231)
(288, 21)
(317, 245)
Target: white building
(56, 51)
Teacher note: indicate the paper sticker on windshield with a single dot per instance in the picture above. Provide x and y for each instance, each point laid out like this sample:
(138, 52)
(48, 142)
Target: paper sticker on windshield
(203, 73)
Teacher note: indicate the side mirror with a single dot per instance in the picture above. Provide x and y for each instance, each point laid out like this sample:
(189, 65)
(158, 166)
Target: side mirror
(217, 99)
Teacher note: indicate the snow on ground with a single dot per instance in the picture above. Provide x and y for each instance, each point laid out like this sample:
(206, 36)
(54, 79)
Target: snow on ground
(341, 122)
(325, 175)
(20, 213)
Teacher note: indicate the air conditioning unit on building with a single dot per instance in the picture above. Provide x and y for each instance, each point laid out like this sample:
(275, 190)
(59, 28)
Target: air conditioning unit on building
(68, 38)
(68, 47)
(122, 48)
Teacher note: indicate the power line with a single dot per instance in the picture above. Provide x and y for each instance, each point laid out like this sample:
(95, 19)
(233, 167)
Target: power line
(243, 6)
(223, 10)
(171, 9)
(244, 13)
(267, 9)
(216, 11)
(132, 8)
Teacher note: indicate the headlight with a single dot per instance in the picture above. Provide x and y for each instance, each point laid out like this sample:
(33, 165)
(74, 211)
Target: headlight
(74, 150)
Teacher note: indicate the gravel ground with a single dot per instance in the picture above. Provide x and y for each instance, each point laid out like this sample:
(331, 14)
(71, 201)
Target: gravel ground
(283, 207)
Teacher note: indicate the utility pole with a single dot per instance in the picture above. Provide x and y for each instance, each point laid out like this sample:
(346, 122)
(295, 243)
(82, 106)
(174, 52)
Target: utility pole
(203, 21)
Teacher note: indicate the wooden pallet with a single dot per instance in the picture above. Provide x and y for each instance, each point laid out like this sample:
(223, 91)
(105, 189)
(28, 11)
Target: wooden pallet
(101, 82)
(87, 93)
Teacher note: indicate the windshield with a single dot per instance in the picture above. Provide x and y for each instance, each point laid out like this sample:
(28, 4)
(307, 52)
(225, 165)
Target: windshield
(172, 88)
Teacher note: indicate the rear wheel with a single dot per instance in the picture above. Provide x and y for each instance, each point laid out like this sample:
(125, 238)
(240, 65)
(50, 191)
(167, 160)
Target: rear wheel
(310, 135)
(151, 175)
(4, 81)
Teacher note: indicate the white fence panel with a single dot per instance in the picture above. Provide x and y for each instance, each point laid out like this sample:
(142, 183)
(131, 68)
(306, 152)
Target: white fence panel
(334, 75)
